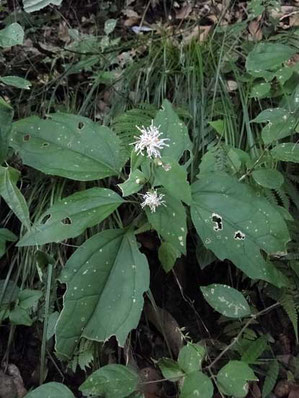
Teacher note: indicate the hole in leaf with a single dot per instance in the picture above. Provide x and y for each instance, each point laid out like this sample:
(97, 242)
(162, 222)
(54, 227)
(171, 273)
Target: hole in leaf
(26, 137)
(46, 218)
(239, 235)
(81, 125)
(45, 144)
(218, 222)
(66, 221)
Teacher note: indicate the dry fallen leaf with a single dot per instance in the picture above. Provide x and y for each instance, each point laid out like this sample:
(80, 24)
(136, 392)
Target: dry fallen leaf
(167, 326)
(255, 30)
(184, 11)
(282, 388)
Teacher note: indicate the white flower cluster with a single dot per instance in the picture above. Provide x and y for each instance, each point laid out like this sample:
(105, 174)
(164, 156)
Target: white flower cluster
(149, 141)
(152, 199)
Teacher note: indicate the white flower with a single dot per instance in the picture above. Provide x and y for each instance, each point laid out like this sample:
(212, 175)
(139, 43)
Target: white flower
(149, 140)
(152, 199)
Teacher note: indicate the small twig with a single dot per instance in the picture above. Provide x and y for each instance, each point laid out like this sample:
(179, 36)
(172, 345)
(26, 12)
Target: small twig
(235, 340)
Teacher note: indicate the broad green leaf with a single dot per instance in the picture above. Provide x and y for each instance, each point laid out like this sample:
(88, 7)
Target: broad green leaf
(255, 350)
(70, 216)
(167, 255)
(111, 381)
(16, 81)
(170, 369)
(268, 178)
(8, 292)
(5, 236)
(232, 378)
(51, 390)
(52, 320)
(12, 195)
(170, 222)
(226, 300)
(173, 178)
(271, 378)
(219, 126)
(260, 90)
(106, 278)
(236, 223)
(173, 129)
(35, 5)
(12, 35)
(196, 385)
(6, 116)
(283, 74)
(28, 298)
(287, 152)
(281, 124)
(191, 357)
(267, 56)
(133, 184)
(68, 146)
(19, 316)
(110, 26)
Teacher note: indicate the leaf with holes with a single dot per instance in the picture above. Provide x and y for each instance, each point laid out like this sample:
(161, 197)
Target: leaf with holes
(35, 5)
(226, 300)
(106, 278)
(111, 381)
(71, 216)
(172, 128)
(267, 56)
(12, 195)
(236, 223)
(68, 146)
(5, 236)
(191, 357)
(6, 115)
(287, 152)
(51, 390)
(170, 222)
(281, 124)
(232, 378)
(268, 178)
(197, 384)
(12, 35)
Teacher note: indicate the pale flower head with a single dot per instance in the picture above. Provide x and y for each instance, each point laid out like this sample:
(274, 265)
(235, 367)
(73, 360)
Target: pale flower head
(150, 141)
(152, 199)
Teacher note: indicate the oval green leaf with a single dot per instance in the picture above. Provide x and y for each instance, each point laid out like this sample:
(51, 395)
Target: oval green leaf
(232, 379)
(16, 81)
(266, 56)
(106, 278)
(287, 152)
(69, 146)
(35, 5)
(72, 215)
(12, 35)
(111, 381)
(191, 357)
(51, 390)
(226, 300)
(196, 385)
(268, 178)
